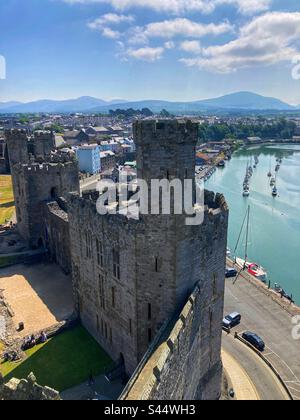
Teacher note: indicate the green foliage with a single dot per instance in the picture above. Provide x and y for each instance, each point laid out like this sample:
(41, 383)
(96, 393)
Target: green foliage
(128, 113)
(280, 129)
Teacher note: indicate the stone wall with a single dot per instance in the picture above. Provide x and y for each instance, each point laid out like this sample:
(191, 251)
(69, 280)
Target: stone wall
(37, 179)
(35, 184)
(56, 235)
(111, 320)
(26, 390)
(178, 368)
(160, 261)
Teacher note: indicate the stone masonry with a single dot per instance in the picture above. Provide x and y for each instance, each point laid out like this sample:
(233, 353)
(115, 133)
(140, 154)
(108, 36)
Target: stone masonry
(26, 390)
(130, 276)
(39, 179)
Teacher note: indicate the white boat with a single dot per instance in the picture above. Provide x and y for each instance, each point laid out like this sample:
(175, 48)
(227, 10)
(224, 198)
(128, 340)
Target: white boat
(253, 269)
(246, 192)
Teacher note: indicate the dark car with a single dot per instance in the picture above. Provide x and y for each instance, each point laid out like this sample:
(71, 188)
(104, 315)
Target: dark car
(230, 272)
(232, 320)
(255, 340)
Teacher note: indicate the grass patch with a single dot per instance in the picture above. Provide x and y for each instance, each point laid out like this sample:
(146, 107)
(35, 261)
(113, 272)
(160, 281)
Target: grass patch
(7, 207)
(63, 362)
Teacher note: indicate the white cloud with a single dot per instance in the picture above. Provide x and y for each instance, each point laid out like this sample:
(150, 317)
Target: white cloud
(146, 53)
(183, 6)
(183, 27)
(169, 45)
(192, 47)
(268, 39)
(247, 7)
(104, 23)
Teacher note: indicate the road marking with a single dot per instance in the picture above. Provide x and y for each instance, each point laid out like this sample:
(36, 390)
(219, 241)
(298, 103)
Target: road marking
(295, 390)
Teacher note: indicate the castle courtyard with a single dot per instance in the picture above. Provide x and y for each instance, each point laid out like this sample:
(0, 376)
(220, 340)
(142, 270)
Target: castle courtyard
(39, 295)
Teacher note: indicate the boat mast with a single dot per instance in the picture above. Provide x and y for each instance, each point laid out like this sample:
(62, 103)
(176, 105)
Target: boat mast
(240, 234)
(247, 236)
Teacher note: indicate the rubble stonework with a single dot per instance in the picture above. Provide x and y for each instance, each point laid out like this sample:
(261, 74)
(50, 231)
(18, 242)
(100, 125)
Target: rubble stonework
(26, 390)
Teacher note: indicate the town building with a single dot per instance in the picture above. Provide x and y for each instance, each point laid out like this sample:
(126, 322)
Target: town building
(89, 159)
(107, 161)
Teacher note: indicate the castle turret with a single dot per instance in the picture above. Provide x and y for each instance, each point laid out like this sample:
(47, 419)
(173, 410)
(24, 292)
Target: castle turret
(36, 183)
(165, 149)
(44, 143)
(17, 144)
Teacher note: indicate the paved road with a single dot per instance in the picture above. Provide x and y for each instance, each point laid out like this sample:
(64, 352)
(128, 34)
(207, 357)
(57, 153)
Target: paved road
(265, 382)
(263, 316)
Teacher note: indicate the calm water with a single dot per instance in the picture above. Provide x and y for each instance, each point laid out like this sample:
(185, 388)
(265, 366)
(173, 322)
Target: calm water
(274, 240)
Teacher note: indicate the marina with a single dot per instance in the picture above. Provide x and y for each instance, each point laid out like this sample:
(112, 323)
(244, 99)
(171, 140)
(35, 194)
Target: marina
(273, 242)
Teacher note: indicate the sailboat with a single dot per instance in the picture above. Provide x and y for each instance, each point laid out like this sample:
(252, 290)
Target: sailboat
(270, 173)
(252, 268)
(274, 191)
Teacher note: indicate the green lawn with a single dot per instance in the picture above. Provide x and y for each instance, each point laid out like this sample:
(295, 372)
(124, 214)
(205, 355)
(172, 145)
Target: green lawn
(63, 362)
(6, 199)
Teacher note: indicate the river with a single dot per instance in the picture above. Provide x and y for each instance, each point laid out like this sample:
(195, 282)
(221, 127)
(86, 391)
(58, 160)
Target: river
(274, 234)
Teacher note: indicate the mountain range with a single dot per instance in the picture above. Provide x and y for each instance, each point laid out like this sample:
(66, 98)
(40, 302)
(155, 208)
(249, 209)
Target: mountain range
(242, 101)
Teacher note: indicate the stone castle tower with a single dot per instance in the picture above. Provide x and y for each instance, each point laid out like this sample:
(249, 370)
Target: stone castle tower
(37, 179)
(133, 276)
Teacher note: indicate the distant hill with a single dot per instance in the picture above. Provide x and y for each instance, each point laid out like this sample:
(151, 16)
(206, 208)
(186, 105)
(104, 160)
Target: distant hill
(243, 101)
(247, 100)
(81, 104)
(5, 105)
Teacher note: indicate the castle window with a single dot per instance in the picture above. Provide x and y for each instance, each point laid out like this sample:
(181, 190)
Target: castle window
(110, 336)
(156, 264)
(105, 330)
(101, 291)
(113, 297)
(88, 240)
(116, 264)
(130, 326)
(215, 285)
(149, 311)
(100, 258)
(149, 335)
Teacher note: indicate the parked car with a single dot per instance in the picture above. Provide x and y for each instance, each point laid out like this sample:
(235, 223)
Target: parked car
(230, 272)
(255, 340)
(232, 320)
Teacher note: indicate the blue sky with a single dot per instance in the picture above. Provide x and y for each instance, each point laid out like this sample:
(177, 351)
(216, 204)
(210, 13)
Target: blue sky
(149, 49)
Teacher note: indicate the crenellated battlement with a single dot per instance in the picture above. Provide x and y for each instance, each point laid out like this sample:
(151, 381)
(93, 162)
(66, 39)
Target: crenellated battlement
(43, 134)
(16, 133)
(165, 131)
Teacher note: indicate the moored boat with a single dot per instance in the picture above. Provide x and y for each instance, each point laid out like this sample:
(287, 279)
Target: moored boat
(253, 269)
